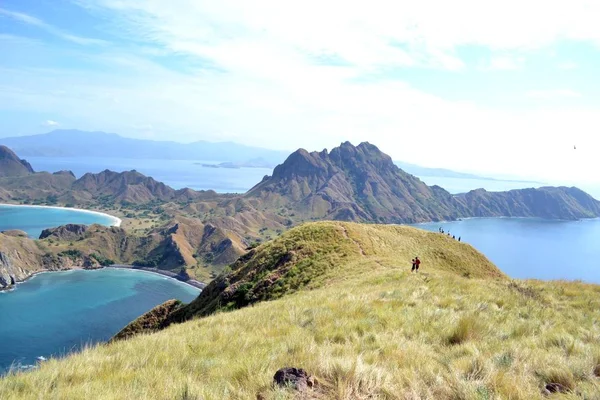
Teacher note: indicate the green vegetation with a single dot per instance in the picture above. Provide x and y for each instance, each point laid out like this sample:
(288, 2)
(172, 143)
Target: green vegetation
(71, 253)
(364, 325)
(102, 260)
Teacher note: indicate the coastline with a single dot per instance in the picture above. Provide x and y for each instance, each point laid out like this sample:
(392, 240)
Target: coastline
(116, 221)
(168, 274)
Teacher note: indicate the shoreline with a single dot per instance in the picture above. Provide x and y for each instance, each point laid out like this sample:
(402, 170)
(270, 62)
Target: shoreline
(167, 274)
(116, 221)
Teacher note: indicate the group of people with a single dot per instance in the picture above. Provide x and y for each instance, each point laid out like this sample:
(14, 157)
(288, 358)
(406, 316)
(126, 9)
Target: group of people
(448, 233)
(415, 264)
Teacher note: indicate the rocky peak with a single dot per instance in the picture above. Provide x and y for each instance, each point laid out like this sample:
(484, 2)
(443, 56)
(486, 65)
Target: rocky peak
(11, 165)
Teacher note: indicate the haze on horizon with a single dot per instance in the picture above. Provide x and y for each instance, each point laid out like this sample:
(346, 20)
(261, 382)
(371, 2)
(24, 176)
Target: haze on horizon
(486, 87)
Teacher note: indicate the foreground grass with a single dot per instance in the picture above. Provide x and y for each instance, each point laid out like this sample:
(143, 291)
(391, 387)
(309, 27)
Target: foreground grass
(384, 333)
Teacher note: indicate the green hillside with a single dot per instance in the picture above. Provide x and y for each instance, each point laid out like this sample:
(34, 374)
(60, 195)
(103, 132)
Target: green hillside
(343, 305)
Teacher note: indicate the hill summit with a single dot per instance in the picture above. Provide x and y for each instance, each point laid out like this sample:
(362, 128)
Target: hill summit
(11, 165)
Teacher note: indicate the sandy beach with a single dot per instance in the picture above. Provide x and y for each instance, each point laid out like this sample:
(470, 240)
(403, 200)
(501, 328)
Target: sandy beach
(116, 221)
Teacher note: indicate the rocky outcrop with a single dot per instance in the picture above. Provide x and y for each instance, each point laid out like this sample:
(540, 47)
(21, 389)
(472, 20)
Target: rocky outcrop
(294, 378)
(65, 232)
(11, 165)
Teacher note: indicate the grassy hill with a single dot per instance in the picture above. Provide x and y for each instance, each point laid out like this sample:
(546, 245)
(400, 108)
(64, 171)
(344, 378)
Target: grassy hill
(350, 312)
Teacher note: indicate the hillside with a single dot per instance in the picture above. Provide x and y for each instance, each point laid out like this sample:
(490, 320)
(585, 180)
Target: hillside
(545, 202)
(11, 165)
(364, 326)
(363, 184)
(169, 247)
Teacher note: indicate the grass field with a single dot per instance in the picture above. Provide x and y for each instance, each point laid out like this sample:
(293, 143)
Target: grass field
(370, 329)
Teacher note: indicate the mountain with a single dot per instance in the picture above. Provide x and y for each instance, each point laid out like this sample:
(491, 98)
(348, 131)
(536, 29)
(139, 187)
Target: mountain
(363, 184)
(339, 301)
(75, 143)
(11, 165)
(354, 184)
(567, 203)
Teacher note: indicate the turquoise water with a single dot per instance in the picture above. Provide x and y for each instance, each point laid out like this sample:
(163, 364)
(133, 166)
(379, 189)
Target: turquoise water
(34, 220)
(55, 313)
(533, 248)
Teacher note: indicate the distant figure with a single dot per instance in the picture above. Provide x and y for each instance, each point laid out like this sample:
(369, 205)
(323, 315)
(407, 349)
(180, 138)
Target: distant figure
(413, 265)
(453, 237)
(448, 233)
(416, 264)
(459, 238)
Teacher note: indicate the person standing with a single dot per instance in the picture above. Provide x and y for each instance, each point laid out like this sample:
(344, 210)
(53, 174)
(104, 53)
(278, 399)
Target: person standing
(413, 265)
(417, 263)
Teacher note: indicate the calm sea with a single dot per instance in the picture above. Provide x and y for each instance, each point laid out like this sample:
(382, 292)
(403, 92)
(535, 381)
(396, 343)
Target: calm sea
(33, 219)
(533, 248)
(57, 313)
(186, 173)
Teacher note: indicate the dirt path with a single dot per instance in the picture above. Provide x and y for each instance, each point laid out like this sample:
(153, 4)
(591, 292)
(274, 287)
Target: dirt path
(362, 252)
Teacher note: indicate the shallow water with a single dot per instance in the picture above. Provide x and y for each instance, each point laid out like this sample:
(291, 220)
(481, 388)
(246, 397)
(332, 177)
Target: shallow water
(531, 247)
(33, 220)
(56, 313)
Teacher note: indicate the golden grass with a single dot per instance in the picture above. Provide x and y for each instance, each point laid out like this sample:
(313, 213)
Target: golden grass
(383, 333)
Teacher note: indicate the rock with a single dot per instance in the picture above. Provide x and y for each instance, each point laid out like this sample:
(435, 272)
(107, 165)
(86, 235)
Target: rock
(296, 378)
(65, 232)
(554, 387)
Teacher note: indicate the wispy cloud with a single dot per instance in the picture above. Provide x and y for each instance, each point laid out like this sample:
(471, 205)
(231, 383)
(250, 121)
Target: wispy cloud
(568, 65)
(504, 63)
(33, 21)
(50, 123)
(552, 93)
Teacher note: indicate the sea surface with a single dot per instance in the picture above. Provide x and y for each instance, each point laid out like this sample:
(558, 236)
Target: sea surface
(53, 314)
(188, 173)
(531, 247)
(33, 220)
(176, 173)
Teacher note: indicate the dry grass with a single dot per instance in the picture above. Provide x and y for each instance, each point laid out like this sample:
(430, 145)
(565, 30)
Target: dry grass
(383, 333)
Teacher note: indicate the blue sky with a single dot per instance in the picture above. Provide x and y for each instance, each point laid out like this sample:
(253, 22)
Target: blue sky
(488, 87)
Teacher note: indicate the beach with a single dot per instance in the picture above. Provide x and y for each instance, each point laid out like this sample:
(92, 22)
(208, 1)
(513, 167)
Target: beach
(116, 221)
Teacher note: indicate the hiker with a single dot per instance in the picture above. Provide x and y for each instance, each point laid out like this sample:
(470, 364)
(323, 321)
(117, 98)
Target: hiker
(453, 237)
(413, 265)
(459, 238)
(416, 263)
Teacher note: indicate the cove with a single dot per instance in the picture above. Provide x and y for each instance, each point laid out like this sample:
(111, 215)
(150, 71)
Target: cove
(532, 248)
(57, 313)
(34, 219)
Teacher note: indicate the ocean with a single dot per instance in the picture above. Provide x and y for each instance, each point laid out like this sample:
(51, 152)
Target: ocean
(53, 314)
(532, 248)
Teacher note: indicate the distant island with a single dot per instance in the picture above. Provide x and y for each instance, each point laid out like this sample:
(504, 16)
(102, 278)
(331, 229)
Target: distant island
(76, 143)
(253, 163)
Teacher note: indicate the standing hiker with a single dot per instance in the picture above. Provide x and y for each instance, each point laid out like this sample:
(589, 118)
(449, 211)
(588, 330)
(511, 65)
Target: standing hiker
(413, 265)
(417, 263)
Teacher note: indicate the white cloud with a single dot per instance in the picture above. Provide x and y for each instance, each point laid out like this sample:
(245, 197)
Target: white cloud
(567, 65)
(504, 63)
(50, 123)
(552, 93)
(33, 21)
(267, 89)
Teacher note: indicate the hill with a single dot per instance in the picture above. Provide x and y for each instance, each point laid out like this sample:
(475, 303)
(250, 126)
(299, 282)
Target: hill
(76, 143)
(364, 326)
(11, 165)
(170, 247)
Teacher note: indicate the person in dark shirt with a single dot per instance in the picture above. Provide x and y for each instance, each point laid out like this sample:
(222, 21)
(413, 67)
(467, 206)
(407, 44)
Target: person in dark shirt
(416, 264)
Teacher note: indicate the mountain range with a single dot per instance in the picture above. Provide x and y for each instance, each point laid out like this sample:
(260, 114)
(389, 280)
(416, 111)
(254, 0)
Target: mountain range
(77, 143)
(199, 229)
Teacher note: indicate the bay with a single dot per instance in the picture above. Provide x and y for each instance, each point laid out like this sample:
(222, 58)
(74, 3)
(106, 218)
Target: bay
(54, 314)
(34, 219)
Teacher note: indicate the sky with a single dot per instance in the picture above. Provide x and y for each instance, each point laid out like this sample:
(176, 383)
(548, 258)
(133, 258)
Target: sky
(491, 87)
